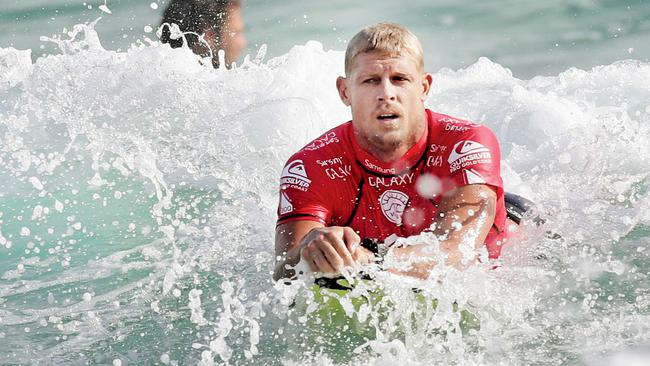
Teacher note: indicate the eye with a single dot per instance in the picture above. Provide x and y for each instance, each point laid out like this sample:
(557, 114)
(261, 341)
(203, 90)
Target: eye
(400, 78)
(370, 80)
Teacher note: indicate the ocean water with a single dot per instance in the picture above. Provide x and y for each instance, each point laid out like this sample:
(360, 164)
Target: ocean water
(530, 38)
(138, 188)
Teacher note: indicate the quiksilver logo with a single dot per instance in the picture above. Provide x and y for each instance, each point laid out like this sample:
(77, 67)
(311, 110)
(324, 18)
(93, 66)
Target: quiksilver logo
(295, 175)
(467, 153)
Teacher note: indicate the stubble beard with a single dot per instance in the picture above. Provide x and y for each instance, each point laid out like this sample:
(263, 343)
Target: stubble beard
(388, 146)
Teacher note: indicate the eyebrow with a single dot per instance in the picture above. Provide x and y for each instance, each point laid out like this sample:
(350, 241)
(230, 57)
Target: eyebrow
(375, 74)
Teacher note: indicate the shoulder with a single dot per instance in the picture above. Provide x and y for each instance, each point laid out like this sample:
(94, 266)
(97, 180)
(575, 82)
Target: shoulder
(330, 140)
(449, 124)
(315, 160)
(454, 130)
(330, 145)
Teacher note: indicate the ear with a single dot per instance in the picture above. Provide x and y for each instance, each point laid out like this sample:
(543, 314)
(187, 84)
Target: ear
(342, 86)
(427, 80)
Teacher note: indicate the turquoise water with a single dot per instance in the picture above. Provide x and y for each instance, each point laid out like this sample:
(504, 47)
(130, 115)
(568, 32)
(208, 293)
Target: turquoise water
(530, 38)
(138, 188)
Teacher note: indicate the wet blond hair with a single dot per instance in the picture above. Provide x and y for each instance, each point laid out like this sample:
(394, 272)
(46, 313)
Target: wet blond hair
(386, 38)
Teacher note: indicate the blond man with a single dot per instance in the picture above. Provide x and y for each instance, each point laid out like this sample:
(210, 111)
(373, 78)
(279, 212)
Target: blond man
(395, 170)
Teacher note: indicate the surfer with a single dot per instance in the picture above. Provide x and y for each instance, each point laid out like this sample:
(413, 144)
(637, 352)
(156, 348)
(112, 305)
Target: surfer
(218, 22)
(396, 169)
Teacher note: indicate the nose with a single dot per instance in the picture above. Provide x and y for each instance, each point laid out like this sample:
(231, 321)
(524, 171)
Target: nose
(387, 91)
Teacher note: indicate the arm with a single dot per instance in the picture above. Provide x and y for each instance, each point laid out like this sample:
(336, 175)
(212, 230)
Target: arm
(465, 215)
(325, 249)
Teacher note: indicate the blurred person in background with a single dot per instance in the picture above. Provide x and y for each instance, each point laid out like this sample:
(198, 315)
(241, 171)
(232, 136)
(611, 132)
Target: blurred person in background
(208, 26)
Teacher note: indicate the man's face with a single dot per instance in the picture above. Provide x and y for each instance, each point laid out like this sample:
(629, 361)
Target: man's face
(233, 39)
(386, 94)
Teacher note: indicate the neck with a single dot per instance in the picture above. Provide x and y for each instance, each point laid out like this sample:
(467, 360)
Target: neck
(387, 151)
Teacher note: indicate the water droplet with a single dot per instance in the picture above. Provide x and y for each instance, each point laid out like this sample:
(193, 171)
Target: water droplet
(164, 358)
(564, 158)
(105, 9)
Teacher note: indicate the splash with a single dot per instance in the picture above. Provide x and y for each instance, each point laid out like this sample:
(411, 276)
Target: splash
(138, 198)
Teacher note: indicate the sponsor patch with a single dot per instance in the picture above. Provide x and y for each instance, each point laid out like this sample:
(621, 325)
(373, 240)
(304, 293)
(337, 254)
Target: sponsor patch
(456, 128)
(285, 204)
(294, 175)
(434, 161)
(332, 161)
(451, 120)
(392, 181)
(434, 148)
(393, 203)
(379, 169)
(467, 153)
(339, 172)
(325, 140)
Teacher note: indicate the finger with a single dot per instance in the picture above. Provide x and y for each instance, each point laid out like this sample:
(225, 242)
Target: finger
(332, 257)
(315, 260)
(313, 266)
(321, 262)
(351, 239)
(321, 252)
(364, 256)
(340, 255)
(307, 256)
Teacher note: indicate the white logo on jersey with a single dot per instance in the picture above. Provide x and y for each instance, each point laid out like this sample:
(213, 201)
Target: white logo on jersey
(387, 182)
(458, 121)
(325, 140)
(473, 177)
(456, 128)
(379, 169)
(434, 161)
(467, 153)
(434, 148)
(393, 203)
(285, 204)
(332, 161)
(295, 175)
(339, 172)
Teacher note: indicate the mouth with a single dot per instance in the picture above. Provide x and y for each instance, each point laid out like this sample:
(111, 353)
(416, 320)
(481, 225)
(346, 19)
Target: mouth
(387, 117)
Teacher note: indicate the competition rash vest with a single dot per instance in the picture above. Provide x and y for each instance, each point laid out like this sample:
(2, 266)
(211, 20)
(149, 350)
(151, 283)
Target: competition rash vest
(335, 182)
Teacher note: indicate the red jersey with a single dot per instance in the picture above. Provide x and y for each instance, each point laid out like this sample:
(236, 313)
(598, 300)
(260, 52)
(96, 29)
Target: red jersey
(334, 181)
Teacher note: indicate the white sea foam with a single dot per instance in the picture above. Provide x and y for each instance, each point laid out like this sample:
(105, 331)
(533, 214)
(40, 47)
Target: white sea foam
(201, 150)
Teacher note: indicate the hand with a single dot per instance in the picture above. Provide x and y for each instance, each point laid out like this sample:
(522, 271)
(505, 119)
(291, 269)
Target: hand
(330, 249)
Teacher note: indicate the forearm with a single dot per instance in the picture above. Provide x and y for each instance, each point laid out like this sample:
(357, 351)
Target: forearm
(418, 260)
(462, 226)
(323, 249)
(288, 239)
(285, 263)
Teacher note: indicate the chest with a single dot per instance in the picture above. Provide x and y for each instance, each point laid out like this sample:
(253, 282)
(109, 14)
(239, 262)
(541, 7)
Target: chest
(386, 205)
